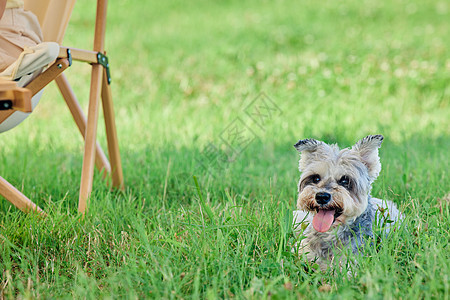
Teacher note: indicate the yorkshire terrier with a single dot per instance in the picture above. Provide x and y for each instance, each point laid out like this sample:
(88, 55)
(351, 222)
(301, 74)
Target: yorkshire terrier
(336, 210)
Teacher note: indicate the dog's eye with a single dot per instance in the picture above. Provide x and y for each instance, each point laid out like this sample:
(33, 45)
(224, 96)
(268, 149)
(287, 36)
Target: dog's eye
(344, 181)
(315, 178)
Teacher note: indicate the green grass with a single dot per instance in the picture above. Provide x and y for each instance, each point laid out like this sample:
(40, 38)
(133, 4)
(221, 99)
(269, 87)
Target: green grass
(182, 72)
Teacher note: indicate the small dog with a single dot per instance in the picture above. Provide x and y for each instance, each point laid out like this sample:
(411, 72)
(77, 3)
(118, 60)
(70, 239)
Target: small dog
(334, 199)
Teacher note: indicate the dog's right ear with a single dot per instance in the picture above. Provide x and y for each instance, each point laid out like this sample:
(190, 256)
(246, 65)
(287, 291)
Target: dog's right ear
(311, 150)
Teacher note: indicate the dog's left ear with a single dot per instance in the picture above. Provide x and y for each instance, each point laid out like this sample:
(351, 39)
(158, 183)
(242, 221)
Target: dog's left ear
(367, 148)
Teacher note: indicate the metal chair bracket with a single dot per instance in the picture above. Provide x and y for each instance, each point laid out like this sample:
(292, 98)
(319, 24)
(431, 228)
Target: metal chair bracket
(69, 57)
(103, 60)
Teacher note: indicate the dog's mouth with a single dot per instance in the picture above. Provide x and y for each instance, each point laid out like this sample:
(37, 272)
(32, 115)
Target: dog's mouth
(324, 218)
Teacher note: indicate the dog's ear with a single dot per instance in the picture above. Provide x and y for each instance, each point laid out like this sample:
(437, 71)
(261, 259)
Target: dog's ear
(311, 150)
(367, 149)
(307, 145)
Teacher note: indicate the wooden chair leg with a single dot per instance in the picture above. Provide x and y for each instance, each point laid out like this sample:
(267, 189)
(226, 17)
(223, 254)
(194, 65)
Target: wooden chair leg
(87, 172)
(100, 158)
(111, 134)
(91, 127)
(14, 196)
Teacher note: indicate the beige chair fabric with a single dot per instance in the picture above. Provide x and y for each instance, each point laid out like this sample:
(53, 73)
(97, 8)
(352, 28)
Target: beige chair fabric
(53, 15)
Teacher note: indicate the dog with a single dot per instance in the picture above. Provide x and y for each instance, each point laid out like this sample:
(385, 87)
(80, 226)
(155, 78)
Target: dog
(335, 209)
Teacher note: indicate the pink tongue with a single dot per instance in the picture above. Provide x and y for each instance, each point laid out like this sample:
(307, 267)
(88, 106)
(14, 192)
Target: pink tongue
(323, 219)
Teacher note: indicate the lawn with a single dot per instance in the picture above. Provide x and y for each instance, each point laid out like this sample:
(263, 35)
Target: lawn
(205, 213)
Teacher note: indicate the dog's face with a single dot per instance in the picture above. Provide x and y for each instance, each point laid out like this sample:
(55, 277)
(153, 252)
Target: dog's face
(335, 183)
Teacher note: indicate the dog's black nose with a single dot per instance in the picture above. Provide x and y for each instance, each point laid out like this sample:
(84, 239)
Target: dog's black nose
(323, 198)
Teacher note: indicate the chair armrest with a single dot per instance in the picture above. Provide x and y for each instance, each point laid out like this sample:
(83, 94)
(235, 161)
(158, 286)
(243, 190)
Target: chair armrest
(13, 97)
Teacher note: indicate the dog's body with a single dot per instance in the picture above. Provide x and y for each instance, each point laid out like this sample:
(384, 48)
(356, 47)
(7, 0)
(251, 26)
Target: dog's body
(334, 198)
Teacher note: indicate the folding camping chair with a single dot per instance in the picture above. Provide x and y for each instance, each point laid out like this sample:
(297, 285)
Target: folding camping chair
(54, 17)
